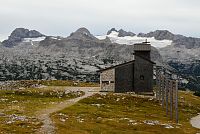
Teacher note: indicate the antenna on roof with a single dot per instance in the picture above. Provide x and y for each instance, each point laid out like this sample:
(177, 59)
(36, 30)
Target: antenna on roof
(146, 42)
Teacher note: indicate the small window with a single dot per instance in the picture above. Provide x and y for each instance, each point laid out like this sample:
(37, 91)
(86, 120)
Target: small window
(141, 77)
(106, 82)
(112, 82)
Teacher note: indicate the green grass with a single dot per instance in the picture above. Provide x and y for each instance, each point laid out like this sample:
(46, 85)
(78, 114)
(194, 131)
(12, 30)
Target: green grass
(25, 103)
(124, 114)
(106, 114)
(28, 83)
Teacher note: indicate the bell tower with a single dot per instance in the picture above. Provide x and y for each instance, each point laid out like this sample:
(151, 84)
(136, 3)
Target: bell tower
(143, 49)
(143, 68)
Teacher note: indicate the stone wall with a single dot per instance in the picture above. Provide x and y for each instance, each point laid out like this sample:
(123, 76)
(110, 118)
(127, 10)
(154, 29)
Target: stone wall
(107, 80)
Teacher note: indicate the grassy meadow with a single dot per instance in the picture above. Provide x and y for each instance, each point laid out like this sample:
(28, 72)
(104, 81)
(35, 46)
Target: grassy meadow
(102, 113)
(125, 114)
(18, 107)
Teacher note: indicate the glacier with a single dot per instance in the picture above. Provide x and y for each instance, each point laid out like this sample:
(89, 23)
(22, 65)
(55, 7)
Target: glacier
(130, 40)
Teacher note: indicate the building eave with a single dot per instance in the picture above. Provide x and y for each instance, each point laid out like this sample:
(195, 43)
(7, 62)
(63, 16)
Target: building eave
(116, 66)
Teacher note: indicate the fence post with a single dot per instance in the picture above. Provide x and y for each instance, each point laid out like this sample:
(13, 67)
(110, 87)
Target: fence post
(171, 99)
(167, 93)
(157, 84)
(160, 88)
(163, 91)
(176, 101)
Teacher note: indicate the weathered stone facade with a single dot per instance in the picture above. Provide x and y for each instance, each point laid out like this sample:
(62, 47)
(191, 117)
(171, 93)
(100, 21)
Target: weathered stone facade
(107, 80)
(118, 79)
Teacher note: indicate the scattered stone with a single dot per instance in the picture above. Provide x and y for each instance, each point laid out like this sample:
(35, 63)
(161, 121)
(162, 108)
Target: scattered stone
(80, 120)
(99, 118)
(36, 123)
(98, 105)
(151, 99)
(168, 126)
(151, 122)
(63, 120)
(10, 122)
(131, 121)
(134, 123)
(2, 114)
(3, 100)
(15, 101)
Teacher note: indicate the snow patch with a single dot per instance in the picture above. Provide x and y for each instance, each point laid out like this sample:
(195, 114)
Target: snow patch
(33, 39)
(55, 38)
(128, 40)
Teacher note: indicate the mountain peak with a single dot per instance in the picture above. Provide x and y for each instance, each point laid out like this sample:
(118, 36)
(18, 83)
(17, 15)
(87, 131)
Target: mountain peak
(25, 33)
(122, 33)
(159, 35)
(111, 30)
(81, 33)
(83, 30)
(19, 34)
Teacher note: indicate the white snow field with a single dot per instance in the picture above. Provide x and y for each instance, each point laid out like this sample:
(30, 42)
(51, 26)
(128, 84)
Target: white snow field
(33, 39)
(128, 40)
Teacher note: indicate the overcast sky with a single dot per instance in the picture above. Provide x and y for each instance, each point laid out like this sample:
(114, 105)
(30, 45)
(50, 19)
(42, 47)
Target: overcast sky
(61, 17)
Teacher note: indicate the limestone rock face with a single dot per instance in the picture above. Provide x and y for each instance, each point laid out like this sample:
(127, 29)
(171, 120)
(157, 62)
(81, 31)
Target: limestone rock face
(159, 35)
(123, 33)
(111, 30)
(82, 33)
(19, 34)
(80, 55)
(76, 57)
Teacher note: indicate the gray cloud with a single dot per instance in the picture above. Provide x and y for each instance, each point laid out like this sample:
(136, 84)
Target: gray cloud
(60, 17)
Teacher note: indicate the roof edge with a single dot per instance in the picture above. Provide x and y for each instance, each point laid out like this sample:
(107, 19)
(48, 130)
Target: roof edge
(115, 66)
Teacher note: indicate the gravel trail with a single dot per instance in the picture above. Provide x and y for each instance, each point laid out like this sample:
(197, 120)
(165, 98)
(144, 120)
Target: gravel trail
(44, 115)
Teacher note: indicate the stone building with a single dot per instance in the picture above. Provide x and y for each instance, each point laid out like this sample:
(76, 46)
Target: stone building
(133, 76)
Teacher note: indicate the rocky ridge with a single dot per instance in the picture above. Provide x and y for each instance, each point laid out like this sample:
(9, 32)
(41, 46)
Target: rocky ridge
(121, 32)
(19, 34)
(182, 53)
(76, 57)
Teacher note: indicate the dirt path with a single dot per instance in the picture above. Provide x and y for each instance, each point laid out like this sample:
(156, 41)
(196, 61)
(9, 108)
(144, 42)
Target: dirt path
(44, 115)
(195, 121)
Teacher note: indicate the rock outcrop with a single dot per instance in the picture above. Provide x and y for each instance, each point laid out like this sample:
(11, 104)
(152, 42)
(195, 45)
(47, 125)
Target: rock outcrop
(19, 34)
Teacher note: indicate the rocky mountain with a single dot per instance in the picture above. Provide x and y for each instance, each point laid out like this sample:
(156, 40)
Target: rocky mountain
(83, 34)
(111, 30)
(167, 43)
(178, 51)
(76, 57)
(159, 35)
(121, 32)
(178, 40)
(28, 54)
(19, 34)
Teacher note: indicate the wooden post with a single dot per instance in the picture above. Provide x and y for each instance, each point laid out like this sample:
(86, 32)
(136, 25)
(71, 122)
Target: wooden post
(176, 100)
(163, 90)
(167, 93)
(157, 84)
(171, 99)
(160, 88)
